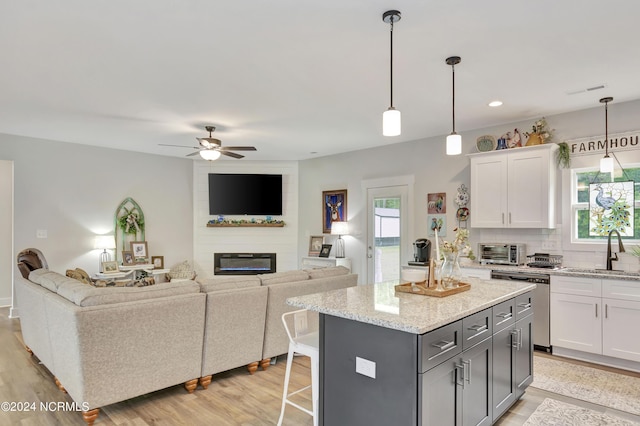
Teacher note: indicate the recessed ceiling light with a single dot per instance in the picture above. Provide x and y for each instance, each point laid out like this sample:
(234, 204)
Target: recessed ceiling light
(495, 103)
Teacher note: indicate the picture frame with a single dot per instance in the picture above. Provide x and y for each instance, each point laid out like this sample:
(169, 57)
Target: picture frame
(127, 258)
(325, 250)
(158, 262)
(110, 267)
(334, 208)
(140, 250)
(315, 245)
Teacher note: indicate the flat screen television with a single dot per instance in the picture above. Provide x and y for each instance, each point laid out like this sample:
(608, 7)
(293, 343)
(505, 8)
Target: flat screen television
(246, 194)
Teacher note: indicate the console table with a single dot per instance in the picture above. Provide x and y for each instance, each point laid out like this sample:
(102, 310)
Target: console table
(129, 272)
(325, 262)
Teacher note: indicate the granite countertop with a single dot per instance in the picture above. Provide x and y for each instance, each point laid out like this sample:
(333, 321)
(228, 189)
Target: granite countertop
(562, 271)
(379, 304)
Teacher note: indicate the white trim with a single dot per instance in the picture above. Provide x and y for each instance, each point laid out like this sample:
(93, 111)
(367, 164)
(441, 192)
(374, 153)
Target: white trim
(596, 358)
(13, 313)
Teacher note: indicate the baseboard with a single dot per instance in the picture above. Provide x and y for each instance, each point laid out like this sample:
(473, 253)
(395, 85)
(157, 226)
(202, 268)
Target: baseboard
(13, 313)
(597, 359)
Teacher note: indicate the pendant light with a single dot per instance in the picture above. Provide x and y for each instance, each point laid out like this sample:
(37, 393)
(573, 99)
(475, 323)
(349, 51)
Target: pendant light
(454, 140)
(391, 124)
(606, 163)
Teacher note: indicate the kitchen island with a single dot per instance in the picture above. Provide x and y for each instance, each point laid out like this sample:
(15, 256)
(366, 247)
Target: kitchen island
(389, 358)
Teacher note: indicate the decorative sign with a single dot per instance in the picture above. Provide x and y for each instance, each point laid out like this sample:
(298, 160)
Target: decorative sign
(596, 144)
(611, 208)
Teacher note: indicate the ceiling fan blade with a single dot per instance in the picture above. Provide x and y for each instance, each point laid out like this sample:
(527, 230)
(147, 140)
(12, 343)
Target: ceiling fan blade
(193, 153)
(238, 148)
(180, 146)
(231, 154)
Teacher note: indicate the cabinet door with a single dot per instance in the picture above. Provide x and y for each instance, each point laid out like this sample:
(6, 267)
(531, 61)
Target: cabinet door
(441, 396)
(477, 406)
(489, 191)
(524, 354)
(619, 329)
(530, 189)
(575, 322)
(504, 382)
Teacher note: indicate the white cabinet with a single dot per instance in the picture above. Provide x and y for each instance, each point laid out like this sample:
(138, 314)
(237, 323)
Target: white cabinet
(325, 262)
(514, 188)
(596, 316)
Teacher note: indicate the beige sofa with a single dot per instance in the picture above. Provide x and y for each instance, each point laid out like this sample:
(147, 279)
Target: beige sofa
(106, 345)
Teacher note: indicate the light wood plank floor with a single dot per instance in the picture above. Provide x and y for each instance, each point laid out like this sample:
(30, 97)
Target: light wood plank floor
(233, 398)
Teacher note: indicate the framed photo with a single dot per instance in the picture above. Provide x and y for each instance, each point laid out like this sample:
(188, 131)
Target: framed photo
(158, 262)
(127, 258)
(325, 250)
(110, 267)
(334, 208)
(437, 203)
(139, 249)
(315, 245)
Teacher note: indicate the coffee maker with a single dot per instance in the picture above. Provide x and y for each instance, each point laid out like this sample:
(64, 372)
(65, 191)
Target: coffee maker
(421, 252)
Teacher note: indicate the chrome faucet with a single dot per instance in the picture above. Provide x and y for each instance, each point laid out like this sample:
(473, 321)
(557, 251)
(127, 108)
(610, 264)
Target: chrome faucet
(620, 250)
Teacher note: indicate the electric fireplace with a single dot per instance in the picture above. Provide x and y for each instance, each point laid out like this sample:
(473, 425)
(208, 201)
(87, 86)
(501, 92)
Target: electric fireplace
(243, 263)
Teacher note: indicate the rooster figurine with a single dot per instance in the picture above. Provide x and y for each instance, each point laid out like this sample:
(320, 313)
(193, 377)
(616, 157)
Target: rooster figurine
(603, 201)
(516, 141)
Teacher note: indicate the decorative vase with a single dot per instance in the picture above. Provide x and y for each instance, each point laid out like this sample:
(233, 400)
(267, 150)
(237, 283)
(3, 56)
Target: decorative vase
(502, 144)
(450, 273)
(534, 139)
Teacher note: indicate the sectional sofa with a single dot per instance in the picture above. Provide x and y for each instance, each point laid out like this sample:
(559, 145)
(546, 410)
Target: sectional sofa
(107, 344)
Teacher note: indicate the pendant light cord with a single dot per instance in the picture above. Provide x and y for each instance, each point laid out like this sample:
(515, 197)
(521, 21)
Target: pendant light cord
(391, 64)
(606, 129)
(453, 96)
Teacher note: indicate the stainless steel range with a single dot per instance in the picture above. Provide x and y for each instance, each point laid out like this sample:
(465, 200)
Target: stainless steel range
(541, 334)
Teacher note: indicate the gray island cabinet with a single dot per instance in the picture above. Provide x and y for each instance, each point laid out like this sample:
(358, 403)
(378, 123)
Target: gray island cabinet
(390, 358)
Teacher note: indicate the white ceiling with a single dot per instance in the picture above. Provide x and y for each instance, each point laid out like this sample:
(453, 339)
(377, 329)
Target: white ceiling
(293, 77)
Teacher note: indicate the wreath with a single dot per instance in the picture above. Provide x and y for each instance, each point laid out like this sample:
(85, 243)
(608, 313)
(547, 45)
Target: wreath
(131, 222)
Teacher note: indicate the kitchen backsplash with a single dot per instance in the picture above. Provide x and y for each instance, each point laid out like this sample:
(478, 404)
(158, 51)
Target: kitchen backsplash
(550, 241)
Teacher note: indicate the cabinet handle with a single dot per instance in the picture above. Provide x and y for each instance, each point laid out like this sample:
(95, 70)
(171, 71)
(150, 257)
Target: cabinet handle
(596, 310)
(444, 345)
(478, 328)
(467, 373)
(606, 310)
(519, 338)
(503, 218)
(524, 305)
(509, 218)
(460, 367)
(514, 339)
(504, 315)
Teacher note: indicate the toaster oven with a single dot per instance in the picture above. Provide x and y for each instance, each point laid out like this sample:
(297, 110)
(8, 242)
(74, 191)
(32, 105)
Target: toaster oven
(501, 254)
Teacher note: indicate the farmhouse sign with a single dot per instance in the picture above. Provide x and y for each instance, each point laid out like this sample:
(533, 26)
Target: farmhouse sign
(617, 142)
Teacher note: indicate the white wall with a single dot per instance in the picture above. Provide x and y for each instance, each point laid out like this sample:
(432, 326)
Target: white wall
(435, 172)
(72, 192)
(282, 241)
(6, 232)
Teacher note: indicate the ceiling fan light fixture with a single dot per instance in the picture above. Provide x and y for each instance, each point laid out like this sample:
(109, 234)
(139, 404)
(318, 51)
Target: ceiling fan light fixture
(391, 122)
(606, 163)
(210, 154)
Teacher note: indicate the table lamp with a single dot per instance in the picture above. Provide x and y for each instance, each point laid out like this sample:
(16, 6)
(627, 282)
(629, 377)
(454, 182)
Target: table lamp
(339, 229)
(104, 242)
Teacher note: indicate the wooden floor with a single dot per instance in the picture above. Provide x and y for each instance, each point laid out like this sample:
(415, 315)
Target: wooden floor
(233, 398)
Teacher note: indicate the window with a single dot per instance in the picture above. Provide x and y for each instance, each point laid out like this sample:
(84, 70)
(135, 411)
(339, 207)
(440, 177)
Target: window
(580, 214)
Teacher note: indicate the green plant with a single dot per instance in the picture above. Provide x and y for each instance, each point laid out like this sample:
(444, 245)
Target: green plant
(563, 158)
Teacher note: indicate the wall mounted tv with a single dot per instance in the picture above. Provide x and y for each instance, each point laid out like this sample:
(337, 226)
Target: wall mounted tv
(246, 194)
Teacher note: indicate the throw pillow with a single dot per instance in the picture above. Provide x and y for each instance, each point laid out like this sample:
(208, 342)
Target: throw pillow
(182, 271)
(79, 274)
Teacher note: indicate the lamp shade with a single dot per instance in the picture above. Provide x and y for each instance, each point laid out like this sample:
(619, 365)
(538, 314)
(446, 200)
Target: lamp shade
(454, 144)
(391, 122)
(210, 154)
(104, 242)
(339, 228)
(606, 165)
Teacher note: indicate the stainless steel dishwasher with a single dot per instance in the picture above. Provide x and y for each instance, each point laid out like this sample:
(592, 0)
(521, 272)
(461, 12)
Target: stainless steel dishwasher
(541, 337)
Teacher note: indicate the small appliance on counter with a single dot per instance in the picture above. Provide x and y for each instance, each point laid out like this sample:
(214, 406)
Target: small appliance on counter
(421, 252)
(501, 254)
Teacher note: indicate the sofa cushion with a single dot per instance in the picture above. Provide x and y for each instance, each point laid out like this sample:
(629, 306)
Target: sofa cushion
(49, 279)
(283, 277)
(332, 271)
(228, 283)
(84, 295)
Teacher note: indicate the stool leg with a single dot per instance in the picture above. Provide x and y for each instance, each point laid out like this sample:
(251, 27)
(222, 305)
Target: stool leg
(315, 367)
(286, 384)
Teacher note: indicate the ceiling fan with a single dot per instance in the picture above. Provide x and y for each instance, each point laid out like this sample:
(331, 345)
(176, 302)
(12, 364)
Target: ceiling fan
(211, 148)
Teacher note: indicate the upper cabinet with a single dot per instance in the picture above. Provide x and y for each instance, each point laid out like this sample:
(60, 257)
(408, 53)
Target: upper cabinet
(514, 188)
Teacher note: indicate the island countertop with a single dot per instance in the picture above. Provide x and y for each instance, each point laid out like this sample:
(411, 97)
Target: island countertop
(381, 305)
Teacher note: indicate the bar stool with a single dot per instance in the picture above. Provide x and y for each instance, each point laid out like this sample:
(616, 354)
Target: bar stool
(302, 328)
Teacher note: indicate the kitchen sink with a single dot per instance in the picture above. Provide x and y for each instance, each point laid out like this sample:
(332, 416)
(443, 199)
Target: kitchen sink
(601, 272)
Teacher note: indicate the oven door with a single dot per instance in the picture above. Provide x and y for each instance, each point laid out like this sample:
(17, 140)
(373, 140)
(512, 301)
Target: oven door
(494, 253)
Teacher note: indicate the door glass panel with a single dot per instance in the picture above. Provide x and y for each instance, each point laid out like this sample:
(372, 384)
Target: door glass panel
(386, 253)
